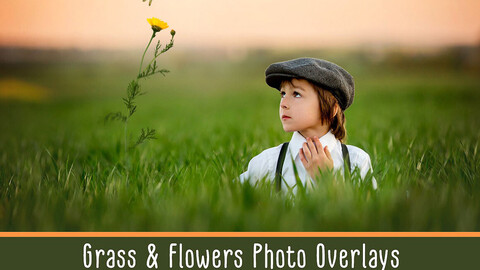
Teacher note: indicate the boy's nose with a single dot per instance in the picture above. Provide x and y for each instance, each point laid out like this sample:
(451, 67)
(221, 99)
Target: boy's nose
(284, 103)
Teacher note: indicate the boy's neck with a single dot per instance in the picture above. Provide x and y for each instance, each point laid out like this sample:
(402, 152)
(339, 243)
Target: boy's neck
(310, 133)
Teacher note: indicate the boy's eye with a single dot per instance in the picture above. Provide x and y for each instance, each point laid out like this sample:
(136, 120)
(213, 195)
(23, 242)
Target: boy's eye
(296, 94)
(282, 94)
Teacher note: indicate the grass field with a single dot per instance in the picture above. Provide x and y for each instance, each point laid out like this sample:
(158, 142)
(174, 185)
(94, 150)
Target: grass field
(62, 168)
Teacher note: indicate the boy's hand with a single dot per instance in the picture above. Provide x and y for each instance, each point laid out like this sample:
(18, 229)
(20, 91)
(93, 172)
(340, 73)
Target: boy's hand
(314, 157)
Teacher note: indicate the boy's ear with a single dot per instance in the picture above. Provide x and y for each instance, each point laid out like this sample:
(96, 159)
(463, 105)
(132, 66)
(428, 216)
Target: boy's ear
(336, 109)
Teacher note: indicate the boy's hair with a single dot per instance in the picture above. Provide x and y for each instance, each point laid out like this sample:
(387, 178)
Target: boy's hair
(327, 110)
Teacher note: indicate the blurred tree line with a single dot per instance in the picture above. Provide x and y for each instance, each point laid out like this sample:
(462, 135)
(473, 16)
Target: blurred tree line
(460, 58)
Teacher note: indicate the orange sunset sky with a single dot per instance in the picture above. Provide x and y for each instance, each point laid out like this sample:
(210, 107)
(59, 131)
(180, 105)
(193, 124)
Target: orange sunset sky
(121, 24)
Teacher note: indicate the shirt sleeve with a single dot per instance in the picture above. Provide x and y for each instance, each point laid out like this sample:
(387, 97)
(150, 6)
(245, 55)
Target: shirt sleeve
(367, 168)
(258, 168)
(361, 160)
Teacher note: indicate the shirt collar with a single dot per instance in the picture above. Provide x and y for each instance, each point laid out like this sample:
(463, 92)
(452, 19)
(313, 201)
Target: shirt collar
(297, 142)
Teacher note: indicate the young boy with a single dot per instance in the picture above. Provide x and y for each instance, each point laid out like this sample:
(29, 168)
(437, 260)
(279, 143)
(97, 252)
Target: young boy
(314, 95)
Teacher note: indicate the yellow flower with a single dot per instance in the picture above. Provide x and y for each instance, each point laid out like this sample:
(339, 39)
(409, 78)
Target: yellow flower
(157, 24)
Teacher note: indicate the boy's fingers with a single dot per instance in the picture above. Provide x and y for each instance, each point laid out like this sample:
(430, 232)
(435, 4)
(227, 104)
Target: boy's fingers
(327, 152)
(312, 147)
(306, 151)
(302, 158)
(319, 145)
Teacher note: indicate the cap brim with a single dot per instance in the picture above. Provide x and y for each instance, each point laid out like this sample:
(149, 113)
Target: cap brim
(275, 79)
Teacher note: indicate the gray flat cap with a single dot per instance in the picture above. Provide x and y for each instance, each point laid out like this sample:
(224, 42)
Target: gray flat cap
(327, 75)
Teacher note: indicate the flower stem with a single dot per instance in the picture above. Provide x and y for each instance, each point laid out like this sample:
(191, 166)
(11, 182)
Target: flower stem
(126, 144)
(155, 57)
(143, 56)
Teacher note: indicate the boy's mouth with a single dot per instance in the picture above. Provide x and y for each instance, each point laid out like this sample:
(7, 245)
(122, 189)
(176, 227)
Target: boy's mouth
(285, 117)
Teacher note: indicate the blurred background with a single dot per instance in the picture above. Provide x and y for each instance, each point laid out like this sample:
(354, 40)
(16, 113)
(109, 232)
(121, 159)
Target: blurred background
(65, 64)
(119, 24)
(359, 34)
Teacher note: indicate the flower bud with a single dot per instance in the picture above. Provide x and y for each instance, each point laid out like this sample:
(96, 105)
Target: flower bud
(172, 32)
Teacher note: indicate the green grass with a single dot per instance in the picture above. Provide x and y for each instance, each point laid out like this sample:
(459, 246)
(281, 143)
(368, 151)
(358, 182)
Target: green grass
(61, 167)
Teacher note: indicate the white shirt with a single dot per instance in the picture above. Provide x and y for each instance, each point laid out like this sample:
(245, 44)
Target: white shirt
(264, 164)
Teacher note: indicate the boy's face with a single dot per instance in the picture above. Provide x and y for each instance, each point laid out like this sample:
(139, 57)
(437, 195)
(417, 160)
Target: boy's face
(299, 107)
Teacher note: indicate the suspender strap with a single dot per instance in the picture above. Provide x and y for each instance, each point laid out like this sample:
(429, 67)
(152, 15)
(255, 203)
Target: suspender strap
(278, 171)
(346, 158)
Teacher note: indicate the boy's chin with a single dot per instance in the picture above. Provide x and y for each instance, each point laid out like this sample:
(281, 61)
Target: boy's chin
(288, 129)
